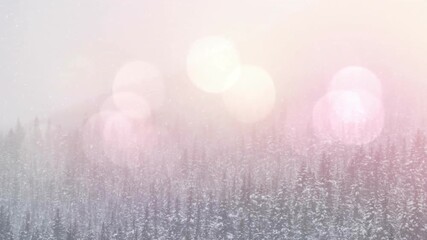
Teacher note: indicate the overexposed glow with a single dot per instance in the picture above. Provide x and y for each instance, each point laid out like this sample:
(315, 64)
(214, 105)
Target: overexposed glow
(356, 78)
(132, 105)
(321, 120)
(252, 97)
(142, 79)
(121, 139)
(118, 130)
(118, 137)
(350, 117)
(213, 64)
(111, 133)
(348, 106)
(129, 104)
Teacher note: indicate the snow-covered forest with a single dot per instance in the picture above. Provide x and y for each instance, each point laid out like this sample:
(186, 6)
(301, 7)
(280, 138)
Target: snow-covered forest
(265, 188)
(213, 120)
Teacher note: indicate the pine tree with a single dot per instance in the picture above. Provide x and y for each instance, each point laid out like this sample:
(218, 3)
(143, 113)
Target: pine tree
(104, 233)
(146, 232)
(72, 232)
(25, 233)
(57, 226)
(5, 225)
(119, 234)
(36, 235)
(175, 231)
(413, 221)
(189, 223)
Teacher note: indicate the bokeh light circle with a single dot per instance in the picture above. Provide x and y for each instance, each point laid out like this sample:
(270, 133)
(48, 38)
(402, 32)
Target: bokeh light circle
(321, 120)
(114, 135)
(142, 79)
(356, 78)
(213, 64)
(119, 131)
(351, 117)
(129, 104)
(252, 97)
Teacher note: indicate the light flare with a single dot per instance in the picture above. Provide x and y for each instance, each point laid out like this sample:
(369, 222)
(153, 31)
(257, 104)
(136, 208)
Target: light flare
(350, 117)
(213, 64)
(356, 78)
(116, 136)
(131, 105)
(252, 97)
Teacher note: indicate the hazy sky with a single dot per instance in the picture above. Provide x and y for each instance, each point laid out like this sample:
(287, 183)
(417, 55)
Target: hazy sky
(54, 54)
(37, 41)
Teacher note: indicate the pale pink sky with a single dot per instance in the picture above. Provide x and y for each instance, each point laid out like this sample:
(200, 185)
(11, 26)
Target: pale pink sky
(54, 54)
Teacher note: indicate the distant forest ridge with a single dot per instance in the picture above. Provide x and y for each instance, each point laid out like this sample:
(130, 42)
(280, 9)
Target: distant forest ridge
(55, 184)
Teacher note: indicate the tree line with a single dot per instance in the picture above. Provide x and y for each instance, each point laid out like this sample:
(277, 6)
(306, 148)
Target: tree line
(56, 185)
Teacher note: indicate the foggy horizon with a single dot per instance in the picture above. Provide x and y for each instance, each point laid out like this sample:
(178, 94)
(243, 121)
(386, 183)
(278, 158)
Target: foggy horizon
(56, 55)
